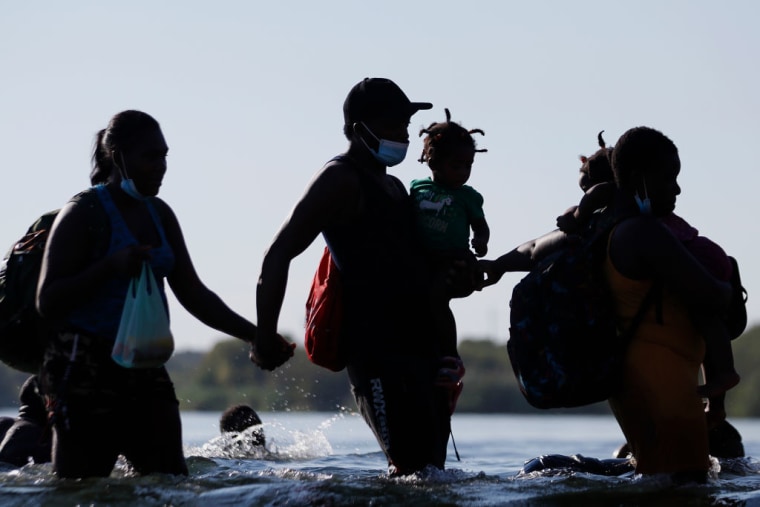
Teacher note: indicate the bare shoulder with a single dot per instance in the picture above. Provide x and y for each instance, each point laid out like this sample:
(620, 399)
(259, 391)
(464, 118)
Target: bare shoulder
(336, 177)
(643, 244)
(77, 212)
(162, 207)
(641, 231)
(330, 198)
(165, 212)
(332, 187)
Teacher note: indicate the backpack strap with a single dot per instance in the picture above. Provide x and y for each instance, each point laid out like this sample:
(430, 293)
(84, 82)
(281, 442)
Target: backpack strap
(653, 294)
(736, 316)
(99, 224)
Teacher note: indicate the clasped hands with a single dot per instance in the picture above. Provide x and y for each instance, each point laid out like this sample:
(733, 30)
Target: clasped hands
(270, 351)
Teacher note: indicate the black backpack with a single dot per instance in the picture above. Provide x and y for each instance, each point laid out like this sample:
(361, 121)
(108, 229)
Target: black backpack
(736, 317)
(565, 345)
(24, 334)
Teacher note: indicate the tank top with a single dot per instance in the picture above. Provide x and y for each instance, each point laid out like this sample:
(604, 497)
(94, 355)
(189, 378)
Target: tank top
(658, 408)
(383, 273)
(99, 317)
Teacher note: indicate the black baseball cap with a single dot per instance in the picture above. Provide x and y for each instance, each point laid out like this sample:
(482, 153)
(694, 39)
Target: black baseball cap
(376, 97)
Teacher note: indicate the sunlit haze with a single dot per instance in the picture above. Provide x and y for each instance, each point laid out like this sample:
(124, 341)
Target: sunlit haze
(249, 95)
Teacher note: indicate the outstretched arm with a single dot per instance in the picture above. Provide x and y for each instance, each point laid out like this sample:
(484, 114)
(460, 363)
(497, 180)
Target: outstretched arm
(523, 257)
(200, 301)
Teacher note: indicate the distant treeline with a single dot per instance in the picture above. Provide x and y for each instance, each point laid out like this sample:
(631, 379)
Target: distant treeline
(224, 376)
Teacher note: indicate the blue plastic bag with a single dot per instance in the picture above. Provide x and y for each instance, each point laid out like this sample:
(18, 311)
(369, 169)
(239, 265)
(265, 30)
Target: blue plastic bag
(144, 339)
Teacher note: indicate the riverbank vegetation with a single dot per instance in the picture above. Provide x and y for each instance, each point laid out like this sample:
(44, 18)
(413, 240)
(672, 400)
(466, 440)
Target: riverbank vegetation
(224, 376)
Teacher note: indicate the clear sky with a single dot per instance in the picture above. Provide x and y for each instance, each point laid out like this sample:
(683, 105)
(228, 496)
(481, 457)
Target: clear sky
(249, 95)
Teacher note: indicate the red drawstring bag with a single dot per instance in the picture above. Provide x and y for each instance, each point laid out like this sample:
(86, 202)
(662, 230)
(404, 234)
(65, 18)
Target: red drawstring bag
(324, 316)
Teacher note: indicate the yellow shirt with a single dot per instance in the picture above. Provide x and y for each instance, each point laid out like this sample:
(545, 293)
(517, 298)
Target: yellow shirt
(658, 408)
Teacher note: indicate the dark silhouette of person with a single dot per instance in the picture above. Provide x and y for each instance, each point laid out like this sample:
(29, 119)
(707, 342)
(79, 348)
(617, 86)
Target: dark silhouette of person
(238, 418)
(366, 218)
(99, 409)
(658, 406)
(27, 436)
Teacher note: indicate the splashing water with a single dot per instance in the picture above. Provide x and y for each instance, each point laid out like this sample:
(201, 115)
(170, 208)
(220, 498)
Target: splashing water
(332, 459)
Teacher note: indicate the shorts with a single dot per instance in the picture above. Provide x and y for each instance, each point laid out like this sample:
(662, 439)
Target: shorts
(407, 413)
(100, 410)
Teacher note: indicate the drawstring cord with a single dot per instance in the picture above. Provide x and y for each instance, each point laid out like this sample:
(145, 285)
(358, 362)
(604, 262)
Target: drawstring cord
(65, 379)
(451, 432)
(64, 385)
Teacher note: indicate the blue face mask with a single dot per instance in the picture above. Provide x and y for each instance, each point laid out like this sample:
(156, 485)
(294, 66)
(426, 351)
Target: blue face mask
(645, 205)
(128, 184)
(388, 153)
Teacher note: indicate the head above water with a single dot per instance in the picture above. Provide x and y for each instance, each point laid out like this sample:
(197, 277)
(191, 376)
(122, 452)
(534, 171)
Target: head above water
(449, 150)
(646, 166)
(239, 418)
(445, 138)
(373, 99)
(598, 167)
(122, 133)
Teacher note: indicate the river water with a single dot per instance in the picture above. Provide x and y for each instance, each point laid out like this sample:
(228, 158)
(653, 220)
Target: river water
(332, 459)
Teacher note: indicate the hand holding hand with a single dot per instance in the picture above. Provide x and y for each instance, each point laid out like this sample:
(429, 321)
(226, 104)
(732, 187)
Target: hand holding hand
(491, 274)
(462, 278)
(270, 352)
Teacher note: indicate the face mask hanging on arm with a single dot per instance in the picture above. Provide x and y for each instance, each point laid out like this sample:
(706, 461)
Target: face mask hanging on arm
(128, 184)
(389, 153)
(645, 205)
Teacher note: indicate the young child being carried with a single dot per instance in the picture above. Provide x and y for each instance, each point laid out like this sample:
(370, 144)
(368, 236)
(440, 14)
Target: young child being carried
(597, 183)
(446, 209)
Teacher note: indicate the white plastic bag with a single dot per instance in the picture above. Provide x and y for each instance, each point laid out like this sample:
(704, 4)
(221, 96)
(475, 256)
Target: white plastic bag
(144, 339)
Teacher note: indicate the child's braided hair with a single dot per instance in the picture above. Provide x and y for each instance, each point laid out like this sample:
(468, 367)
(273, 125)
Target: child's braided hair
(599, 165)
(443, 137)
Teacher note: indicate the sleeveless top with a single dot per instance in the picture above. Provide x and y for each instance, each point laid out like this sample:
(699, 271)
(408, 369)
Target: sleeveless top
(99, 317)
(383, 273)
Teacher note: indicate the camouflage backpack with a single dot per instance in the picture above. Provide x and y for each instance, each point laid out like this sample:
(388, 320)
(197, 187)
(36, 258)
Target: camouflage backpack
(24, 334)
(565, 345)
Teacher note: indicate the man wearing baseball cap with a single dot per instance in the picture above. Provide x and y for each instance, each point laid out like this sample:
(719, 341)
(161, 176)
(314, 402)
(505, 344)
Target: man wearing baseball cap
(376, 97)
(364, 215)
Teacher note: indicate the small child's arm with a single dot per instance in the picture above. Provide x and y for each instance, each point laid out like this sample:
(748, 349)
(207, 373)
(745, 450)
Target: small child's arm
(568, 221)
(595, 198)
(481, 233)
